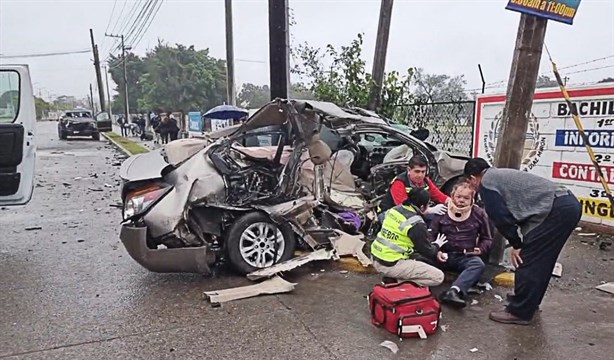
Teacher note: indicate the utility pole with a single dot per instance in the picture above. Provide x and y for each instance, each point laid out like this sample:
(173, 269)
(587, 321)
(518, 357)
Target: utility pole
(92, 99)
(519, 100)
(278, 48)
(230, 57)
(126, 103)
(381, 47)
(106, 75)
(98, 74)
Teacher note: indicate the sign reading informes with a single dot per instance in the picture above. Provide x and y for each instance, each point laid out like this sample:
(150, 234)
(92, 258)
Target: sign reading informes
(558, 10)
(554, 147)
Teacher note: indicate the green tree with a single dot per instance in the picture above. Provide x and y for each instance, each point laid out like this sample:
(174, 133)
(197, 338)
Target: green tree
(135, 67)
(340, 76)
(182, 78)
(439, 87)
(255, 96)
(42, 108)
(544, 81)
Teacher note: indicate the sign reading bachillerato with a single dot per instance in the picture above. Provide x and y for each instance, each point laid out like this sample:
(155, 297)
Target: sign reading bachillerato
(554, 147)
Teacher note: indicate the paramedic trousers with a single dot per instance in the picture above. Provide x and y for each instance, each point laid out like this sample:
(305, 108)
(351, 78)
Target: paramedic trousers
(415, 271)
(539, 254)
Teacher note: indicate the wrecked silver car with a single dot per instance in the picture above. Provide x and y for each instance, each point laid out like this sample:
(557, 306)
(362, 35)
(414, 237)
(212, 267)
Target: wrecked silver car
(252, 196)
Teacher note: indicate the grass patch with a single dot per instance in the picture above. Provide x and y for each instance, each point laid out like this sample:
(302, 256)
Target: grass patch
(132, 147)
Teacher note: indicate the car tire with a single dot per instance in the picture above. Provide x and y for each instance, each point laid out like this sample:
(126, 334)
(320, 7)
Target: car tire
(96, 136)
(246, 258)
(62, 135)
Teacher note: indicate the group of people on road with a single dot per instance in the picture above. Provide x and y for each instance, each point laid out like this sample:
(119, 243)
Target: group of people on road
(417, 242)
(165, 128)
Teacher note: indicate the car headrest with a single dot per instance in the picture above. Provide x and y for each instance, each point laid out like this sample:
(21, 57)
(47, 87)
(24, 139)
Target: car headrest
(319, 151)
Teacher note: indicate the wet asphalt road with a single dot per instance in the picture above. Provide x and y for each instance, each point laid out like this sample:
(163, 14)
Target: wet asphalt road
(70, 291)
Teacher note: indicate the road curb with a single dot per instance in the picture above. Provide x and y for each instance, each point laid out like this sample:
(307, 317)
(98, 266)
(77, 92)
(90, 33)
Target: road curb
(117, 145)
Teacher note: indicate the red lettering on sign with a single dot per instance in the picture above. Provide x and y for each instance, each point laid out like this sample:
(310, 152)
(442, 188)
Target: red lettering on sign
(581, 172)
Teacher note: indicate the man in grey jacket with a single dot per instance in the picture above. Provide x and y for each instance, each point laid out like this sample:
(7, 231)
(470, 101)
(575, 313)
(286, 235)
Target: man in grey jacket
(536, 216)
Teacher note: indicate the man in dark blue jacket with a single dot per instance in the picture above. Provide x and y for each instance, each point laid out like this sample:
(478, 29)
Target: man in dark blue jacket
(536, 216)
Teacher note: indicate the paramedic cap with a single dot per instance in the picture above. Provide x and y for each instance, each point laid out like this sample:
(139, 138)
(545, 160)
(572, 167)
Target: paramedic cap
(475, 166)
(418, 197)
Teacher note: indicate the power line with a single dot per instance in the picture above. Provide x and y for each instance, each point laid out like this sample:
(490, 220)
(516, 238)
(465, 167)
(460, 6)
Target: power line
(111, 17)
(137, 29)
(142, 34)
(45, 54)
(138, 21)
(501, 83)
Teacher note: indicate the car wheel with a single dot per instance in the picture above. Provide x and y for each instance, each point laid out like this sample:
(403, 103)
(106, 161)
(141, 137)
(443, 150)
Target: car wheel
(96, 136)
(251, 243)
(62, 135)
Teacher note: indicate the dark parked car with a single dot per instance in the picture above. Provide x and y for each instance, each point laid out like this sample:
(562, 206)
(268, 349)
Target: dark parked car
(78, 123)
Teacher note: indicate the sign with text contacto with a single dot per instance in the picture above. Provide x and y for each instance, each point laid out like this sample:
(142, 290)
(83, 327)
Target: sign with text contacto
(554, 148)
(557, 10)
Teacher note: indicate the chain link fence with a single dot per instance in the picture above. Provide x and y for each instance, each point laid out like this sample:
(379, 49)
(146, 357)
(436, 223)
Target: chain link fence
(450, 123)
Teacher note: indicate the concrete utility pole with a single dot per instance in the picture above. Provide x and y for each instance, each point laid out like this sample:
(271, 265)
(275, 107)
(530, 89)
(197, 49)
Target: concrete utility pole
(520, 90)
(92, 99)
(98, 74)
(106, 75)
(230, 57)
(126, 103)
(381, 47)
(279, 48)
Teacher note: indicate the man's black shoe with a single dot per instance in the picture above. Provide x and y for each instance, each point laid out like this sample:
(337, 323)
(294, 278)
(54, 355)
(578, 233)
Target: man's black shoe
(453, 297)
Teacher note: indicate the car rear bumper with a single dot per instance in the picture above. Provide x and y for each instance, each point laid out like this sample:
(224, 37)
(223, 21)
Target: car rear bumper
(183, 260)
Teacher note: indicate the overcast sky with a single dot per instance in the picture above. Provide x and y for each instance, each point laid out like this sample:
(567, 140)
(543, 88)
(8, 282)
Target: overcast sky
(441, 36)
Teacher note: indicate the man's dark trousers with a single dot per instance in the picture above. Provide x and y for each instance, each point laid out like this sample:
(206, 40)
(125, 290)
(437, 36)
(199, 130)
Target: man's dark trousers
(470, 268)
(540, 250)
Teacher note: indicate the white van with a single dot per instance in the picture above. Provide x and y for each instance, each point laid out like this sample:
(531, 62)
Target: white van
(17, 135)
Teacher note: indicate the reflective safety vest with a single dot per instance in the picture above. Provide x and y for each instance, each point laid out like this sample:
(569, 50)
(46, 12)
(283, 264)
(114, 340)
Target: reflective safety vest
(392, 242)
(388, 202)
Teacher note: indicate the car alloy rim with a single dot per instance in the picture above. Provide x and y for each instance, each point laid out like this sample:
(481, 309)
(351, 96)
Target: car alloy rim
(257, 244)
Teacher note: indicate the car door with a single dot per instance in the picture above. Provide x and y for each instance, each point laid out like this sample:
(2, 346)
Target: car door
(17, 135)
(103, 120)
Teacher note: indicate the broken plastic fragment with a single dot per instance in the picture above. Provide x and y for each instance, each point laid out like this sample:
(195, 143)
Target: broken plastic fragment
(275, 285)
(474, 350)
(474, 302)
(498, 297)
(390, 346)
(444, 328)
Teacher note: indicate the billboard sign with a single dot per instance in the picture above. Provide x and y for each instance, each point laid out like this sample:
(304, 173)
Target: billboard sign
(557, 10)
(554, 148)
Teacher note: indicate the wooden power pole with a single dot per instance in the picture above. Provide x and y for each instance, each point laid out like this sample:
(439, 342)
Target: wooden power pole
(98, 73)
(278, 48)
(230, 57)
(381, 47)
(520, 90)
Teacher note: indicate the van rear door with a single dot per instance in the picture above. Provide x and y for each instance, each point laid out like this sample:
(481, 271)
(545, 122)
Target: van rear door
(17, 135)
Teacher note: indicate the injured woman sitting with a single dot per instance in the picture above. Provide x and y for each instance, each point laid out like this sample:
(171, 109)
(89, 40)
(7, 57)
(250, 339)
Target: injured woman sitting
(467, 230)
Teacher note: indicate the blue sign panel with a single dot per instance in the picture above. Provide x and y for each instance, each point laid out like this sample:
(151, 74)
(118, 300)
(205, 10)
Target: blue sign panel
(558, 10)
(196, 121)
(596, 138)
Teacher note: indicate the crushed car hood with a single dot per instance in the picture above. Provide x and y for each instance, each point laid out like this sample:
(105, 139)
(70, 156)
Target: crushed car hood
(145, 166)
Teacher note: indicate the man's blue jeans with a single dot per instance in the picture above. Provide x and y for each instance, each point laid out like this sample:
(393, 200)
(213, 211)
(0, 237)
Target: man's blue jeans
(470, 268)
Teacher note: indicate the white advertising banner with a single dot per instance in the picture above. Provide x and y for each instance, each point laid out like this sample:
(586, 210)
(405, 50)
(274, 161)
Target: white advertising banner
(554, 148)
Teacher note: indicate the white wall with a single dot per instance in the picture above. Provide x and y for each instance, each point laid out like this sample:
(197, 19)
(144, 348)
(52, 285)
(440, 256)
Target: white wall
(551, 147)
